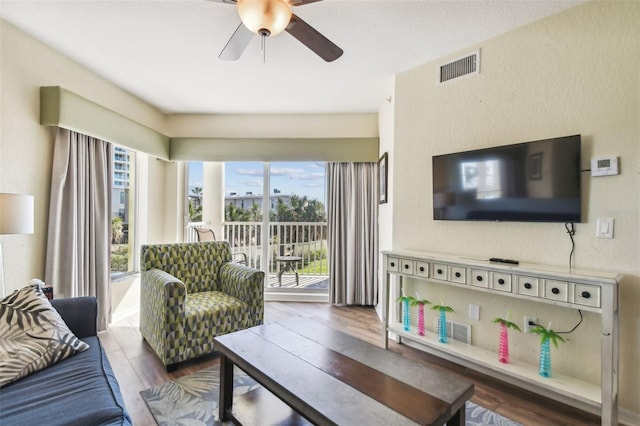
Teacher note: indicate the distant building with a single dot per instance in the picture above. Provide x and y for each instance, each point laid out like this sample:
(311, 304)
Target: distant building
(120, 184)
(247, 200)
(195, 200)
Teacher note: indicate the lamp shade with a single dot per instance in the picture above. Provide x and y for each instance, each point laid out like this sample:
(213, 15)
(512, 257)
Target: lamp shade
(16, 214)
(265, 17)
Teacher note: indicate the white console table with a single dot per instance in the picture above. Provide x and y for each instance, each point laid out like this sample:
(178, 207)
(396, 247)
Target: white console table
(586, 290)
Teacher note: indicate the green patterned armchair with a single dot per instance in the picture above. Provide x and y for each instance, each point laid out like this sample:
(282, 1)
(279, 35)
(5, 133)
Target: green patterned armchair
(192, 292)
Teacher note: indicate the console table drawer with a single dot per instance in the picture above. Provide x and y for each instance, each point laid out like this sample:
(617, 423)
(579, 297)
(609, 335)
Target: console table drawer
(501, 282)
(556, 290)
(422, 269)
(393, 264)
(458, 275)
(479, 278)
(440, 271)
(527, 285)
(588, 295)
(406, 266)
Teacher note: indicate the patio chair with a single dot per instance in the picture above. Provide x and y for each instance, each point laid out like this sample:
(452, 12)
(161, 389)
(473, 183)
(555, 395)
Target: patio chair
(207, 234)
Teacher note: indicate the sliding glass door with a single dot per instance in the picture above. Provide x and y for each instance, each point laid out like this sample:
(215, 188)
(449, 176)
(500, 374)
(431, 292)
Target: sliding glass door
(276, 212)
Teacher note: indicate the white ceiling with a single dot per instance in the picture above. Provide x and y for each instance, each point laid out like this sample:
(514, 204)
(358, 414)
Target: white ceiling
(166, 51)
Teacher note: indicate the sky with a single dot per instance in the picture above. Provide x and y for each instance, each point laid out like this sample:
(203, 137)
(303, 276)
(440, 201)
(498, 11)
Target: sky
(291, 178)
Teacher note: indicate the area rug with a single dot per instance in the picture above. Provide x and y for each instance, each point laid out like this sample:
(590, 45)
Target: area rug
(193, 401)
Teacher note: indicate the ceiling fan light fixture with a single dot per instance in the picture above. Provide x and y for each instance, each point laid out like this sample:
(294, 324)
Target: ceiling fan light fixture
(265, 17)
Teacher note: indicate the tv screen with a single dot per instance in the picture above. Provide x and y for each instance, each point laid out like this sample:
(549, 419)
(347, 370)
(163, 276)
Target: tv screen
(536, 181)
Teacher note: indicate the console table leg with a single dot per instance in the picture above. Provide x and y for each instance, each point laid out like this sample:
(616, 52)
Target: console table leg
(226, 388)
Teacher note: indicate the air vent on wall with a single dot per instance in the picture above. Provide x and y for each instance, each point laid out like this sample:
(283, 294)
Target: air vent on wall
(456, 330)
(459, 67)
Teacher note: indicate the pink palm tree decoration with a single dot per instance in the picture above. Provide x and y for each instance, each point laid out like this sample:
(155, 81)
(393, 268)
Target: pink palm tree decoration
(420, 303)
(420, 319)
(503, 349)
(503, 353)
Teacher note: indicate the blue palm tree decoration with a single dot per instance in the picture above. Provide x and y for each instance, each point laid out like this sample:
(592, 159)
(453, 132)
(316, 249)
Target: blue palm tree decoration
(547, 336)
(406, 319)
(442, 328)
(406, 324)
(545, 359)
(442, 324)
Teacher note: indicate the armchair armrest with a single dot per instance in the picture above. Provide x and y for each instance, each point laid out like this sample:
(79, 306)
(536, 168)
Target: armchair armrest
(79, 313)
(246, 284)
(162, 308)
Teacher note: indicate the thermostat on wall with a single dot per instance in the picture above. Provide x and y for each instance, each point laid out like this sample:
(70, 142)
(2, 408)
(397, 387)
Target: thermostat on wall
(604, 166)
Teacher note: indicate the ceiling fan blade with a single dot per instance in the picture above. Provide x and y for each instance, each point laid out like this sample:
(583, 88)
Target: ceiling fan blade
(236, 44)
(302, 2)
(311, 38)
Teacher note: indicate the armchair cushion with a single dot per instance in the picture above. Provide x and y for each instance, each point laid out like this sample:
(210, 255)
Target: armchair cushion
(192, 292)
(209, 314)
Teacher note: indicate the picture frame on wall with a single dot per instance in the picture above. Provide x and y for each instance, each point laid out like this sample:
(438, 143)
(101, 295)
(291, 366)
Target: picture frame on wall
(535, 166)
(383, 177)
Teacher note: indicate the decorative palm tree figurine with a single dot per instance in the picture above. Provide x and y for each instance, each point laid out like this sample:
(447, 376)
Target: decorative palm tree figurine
(420, 304)
(503, 351)
(406, 322)
(442, 324)
(547, 335)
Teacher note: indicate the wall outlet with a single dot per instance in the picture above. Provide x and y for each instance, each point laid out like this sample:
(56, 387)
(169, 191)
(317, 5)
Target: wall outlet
(529, 323)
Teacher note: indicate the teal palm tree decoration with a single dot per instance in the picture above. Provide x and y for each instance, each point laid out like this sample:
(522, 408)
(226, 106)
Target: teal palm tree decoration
(547, 336)
(420, 304)
(442, 323)
(503, 350)
(406, 322)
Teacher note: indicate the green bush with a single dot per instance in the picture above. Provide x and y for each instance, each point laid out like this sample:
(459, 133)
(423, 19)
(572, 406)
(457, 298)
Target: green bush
(119, 258)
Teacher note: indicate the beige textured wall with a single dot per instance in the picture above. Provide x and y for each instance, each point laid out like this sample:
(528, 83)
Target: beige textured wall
(576, 72)
(26, 147)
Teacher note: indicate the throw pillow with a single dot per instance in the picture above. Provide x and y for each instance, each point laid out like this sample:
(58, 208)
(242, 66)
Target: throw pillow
(33, 336)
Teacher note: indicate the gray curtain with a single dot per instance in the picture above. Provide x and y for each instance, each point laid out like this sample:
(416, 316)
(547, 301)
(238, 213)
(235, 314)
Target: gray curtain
(353, 233)
(79, 238)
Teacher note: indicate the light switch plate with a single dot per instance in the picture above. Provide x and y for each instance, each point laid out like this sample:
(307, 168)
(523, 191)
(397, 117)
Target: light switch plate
(474, 312)
(604, 227)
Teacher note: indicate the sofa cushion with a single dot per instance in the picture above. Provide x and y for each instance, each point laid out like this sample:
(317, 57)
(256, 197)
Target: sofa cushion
(81, 390)
(33, 336)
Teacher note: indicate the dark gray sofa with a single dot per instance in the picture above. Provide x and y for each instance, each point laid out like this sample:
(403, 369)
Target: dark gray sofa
(80, 390)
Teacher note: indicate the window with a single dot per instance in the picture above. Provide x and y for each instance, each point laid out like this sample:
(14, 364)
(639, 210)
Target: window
(195, 188)
(123, 197)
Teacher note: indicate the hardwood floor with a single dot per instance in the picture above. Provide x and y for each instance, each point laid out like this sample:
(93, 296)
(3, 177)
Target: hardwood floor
(137, 367)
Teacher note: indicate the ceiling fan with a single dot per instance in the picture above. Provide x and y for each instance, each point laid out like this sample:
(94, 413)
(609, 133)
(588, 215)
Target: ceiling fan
(271, 17)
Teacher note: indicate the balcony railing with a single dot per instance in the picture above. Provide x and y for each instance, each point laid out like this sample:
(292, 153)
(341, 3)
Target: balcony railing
(307, 240)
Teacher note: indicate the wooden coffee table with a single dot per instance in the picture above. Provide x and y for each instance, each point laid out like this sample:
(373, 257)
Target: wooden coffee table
(331, 378)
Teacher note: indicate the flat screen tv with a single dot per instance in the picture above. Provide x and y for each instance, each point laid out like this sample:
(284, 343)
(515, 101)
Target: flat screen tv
(536, 181)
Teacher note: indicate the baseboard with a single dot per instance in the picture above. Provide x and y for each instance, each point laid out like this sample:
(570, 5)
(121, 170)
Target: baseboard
(282, 296)
(628, 417)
